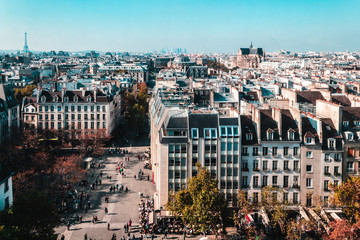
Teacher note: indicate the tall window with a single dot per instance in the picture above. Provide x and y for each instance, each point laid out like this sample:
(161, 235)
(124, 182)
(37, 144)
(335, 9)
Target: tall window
(309, 182)
(265, 151)
(265, 180)
(195, 133)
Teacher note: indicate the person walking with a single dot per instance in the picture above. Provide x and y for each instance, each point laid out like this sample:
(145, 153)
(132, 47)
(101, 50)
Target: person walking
(68, 225)
(108, 226)
(62, 237)
(85, 236)
(165, 234)
(106, 210)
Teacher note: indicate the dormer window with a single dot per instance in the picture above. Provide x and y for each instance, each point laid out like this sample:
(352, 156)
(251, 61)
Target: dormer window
(270, 134)
(331, 143)
(357, 123)
(291, 134)
(358, 135)
(76, 99)
(43, 99)
(89, 99)
(310, 140)
(56, 98)
(345, 123)
(66, 99)
(249, 136)
(349, 136)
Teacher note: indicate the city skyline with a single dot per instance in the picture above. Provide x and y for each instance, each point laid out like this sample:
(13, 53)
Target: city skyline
(202, 26)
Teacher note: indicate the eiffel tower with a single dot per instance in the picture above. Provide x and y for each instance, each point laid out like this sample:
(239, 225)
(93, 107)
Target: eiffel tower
(26, 48)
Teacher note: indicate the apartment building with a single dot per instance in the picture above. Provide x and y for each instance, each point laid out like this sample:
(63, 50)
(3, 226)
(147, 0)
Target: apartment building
(80, 110)
(9, 111)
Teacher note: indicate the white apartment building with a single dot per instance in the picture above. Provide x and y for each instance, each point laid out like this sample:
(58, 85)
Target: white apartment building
(81, 110)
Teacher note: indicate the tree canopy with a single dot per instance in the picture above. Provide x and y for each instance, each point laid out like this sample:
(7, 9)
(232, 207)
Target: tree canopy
(347, 196)
(200, 205)
(32, 216)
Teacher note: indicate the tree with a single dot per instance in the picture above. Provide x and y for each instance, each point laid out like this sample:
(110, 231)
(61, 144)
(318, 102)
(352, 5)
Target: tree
(343, 229)
(23, 92)
(347, 196)
(32, 217)
(199, 205)
(69, 169)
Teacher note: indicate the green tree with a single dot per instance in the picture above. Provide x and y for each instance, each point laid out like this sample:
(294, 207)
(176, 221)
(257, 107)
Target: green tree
(32, 217)
(23, 92)
(200, 205)
(347, 196)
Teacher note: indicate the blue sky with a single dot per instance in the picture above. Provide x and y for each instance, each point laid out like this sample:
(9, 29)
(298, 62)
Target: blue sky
(202, 25)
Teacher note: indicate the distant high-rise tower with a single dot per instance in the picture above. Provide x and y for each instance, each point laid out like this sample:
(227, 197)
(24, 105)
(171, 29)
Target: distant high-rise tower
(26, 48)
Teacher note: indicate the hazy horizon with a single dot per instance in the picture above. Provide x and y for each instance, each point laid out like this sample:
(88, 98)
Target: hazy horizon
(202, 26)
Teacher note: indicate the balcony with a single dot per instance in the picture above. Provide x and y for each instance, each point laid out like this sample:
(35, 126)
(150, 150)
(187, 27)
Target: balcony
(276, 169)
(287, 169)
(266, 169)
(256, 186)
(245, 154)
(244, 186)
(327, 174)
(337, 174)
(256, 169)
(296, 169)
(245, 169)
(295, 186)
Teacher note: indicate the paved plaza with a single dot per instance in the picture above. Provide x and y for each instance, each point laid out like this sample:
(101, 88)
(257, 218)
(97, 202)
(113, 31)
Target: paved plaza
(122, 206)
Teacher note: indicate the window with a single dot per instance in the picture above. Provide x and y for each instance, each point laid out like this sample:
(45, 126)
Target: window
(249, 136)
(40, 109)
(336, 170)
(296, 151)
(274, 180)
(296, 180)
(286, 197)
(291, 135)
(265, 165)
(256, 165)
(331, 143)
(265, 151)
(326, 185)
(229, 131)
(210, 133)
(223, 146)
(103, 108)
(194, 148)
(309, 154)
(350, 167)
(327, 157)
(223, 131)
(309, 168)
(73, 108)
(79, 108)
(326, 169)
(295, 198)
(255, 151)
(244, 151)
(195, 133)
(357, 123)
(245, 181)
(66, 99)
(255, 197)
(345, 123)
(309, 140)
(309, 183)
(337, 157)
(286, 151)
(286, 181)
(274, 151)
(296, 165)
(286, 165)
(46, 108)
(270, 135)
(59, 108)
(275, 165)
(229, 146)
(66, 108)
(52, 108)
(265, 181)
(245, 166)
(350, 152)
(255, 181)
(236, 131)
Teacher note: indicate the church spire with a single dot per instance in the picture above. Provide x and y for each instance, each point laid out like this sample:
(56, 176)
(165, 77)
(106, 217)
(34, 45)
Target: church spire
(251, 45)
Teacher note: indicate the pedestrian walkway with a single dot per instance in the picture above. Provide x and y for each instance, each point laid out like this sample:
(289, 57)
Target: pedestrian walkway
(122, 206)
